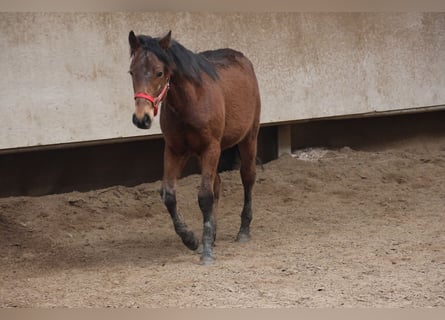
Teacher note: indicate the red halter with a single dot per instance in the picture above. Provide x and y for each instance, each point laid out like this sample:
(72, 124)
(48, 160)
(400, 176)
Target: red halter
(155, 101)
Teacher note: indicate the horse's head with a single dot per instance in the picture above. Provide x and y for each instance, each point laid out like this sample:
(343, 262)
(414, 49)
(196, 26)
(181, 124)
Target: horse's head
(150, 74)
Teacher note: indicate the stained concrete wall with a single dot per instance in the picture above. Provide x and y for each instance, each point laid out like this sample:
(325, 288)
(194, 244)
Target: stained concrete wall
(64, 75)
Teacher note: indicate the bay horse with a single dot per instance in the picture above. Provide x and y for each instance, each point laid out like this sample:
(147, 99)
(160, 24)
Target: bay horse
(210, 102)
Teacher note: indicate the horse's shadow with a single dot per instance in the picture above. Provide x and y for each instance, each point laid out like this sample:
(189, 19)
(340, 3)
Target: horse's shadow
(40, 253)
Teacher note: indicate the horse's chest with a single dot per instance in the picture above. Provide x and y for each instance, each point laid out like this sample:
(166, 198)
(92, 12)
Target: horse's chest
(186, 139)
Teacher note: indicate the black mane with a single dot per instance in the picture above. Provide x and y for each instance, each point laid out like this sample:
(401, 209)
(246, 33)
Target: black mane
(180, 60)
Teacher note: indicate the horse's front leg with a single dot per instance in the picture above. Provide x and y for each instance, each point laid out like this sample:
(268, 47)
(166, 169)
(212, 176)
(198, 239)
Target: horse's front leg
(208, 198)
(173, 165)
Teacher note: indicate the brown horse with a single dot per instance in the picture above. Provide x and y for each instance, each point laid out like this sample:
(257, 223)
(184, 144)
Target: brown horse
(210, 102)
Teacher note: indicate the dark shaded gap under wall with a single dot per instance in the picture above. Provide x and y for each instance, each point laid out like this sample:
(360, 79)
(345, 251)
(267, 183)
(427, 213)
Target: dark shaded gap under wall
(84, 168)
(129, 163)
(370, 133)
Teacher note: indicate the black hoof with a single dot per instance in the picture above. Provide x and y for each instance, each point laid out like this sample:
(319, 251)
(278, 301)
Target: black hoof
(191, 242)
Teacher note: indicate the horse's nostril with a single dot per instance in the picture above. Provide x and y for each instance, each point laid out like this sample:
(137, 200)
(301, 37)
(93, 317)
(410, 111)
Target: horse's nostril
(144, 123)
(147, 121)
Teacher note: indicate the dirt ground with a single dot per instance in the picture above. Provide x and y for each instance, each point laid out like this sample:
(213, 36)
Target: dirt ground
(331, 228)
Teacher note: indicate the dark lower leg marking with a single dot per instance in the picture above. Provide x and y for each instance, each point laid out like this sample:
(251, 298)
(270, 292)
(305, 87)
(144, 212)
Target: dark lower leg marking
(187, 236)
(206, 200)
(246, 219)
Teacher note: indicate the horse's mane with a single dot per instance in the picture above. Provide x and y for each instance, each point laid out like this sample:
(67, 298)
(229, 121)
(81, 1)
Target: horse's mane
(179, 59)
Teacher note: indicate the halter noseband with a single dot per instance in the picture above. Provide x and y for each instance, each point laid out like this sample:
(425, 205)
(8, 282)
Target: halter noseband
(155, 101)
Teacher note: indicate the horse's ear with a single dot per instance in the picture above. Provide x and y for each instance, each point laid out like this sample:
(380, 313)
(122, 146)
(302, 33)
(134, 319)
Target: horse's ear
(134, 42)
(165, 41)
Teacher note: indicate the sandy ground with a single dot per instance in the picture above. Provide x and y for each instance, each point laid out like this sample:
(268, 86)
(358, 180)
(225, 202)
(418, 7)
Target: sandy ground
(331, 228)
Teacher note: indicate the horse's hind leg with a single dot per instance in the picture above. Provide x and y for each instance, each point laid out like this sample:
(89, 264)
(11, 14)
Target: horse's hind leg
(216, 189)
(248, 150)
(173, 165)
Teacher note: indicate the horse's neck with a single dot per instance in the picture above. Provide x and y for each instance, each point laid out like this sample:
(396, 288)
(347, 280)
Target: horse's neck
(182, 93)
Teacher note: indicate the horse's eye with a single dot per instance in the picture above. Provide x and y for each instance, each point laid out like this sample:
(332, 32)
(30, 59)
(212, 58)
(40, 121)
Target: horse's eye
(130, 72)
(159, 74)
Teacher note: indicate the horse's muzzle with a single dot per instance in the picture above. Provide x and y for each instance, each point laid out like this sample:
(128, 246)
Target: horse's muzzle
(144, 123)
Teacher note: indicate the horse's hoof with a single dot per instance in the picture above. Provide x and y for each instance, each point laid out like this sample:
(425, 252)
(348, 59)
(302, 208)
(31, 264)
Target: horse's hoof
(207, 261)
(192, 244)
(242, 237)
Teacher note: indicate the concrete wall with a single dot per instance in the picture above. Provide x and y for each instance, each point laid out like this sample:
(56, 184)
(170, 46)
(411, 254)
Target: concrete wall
(64, 75)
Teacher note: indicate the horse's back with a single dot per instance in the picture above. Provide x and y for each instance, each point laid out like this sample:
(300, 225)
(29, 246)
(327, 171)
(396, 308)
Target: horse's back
(241, 93)
(223, 57)
(231, 60)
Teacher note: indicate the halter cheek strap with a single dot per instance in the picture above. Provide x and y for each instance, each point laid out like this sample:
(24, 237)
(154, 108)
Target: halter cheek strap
(155, 101)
